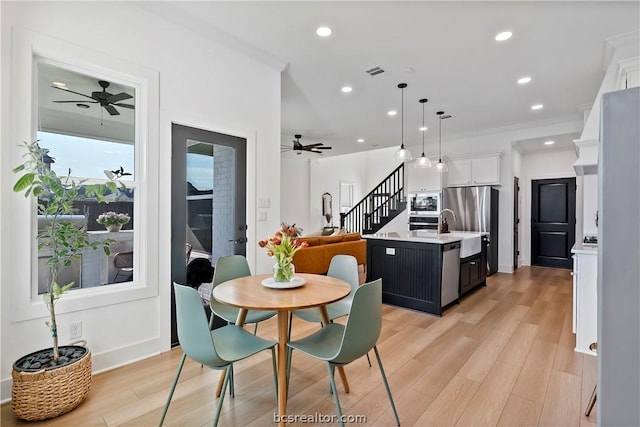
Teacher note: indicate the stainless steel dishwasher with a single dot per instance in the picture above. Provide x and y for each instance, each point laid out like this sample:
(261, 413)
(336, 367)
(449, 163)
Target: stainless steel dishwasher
(450, 273)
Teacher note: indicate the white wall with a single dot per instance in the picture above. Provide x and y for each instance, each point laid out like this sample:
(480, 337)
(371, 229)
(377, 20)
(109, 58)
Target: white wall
(325, 176)
(202, 84)
(552, 164)
(294, 188)
(326, 173)
(589, 205)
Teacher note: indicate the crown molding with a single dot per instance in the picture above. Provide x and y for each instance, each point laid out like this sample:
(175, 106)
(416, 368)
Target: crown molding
(619, 42)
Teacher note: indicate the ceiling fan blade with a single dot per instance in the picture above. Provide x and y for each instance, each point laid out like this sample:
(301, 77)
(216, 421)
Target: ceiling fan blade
(75, 102)
(314, 145)
(322, 148)
(118, 97)
(125, 106)
(71, 91)
(315, 151)
(111, 110)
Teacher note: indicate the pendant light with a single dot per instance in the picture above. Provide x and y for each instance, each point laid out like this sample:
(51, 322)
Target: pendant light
(441, 166)
(423, 161)
(402, 153)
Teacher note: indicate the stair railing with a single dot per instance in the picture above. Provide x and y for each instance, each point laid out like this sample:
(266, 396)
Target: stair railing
(377, 206)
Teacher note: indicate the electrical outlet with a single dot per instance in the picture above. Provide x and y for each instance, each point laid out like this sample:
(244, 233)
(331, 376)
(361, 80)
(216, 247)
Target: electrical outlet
(75, 330)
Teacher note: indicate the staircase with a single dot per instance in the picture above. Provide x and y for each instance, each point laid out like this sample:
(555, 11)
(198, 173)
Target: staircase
(377, 208)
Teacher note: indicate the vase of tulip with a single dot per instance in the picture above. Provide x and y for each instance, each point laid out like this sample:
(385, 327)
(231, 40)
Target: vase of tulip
(282, 246)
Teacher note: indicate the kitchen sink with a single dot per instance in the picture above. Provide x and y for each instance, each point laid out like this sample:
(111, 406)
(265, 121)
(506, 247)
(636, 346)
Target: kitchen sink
(471, 243)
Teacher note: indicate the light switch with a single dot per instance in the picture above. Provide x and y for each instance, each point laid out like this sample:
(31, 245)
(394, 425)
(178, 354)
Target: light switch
(264, 202)
(262, 215)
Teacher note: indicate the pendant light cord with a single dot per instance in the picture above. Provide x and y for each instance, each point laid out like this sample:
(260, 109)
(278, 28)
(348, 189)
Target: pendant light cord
(423, 127)
(402, 120)
(440, 140)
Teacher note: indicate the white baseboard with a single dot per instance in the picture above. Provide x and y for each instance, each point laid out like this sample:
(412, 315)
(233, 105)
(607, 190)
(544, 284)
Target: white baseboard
(107, 361)
(503, 268)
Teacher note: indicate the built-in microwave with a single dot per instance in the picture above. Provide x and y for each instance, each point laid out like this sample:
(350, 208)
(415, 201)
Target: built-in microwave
(424, 203)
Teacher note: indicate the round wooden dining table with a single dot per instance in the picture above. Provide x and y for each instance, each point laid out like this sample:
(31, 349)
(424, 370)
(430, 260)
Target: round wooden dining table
(248, 293)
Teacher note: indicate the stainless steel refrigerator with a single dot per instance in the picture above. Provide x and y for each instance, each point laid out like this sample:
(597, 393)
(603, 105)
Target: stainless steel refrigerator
(618, 255)
(476, 209)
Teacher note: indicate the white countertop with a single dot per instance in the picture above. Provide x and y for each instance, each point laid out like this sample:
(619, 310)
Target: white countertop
(424, 236)
(581, 248)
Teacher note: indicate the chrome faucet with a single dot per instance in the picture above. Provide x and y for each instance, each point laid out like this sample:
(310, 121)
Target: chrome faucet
(447, 210)
(440, 227)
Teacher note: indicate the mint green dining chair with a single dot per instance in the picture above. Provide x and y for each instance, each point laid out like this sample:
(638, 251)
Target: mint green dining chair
(344, 267)
(339, 345)
(227, 268)
(218, 349)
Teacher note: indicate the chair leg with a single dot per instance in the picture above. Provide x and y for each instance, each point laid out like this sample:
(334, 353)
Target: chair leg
(232, 391)
(369, 359)
(592, 401)
(386, 384)
(227, 375)
(290, 322)
(332, 380)
(289, 353)
(275, 373)
(173, 387)
(255, 329)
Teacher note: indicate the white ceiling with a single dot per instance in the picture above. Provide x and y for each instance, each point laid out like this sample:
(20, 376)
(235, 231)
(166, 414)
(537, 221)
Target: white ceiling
(445, 51)
(71, 119)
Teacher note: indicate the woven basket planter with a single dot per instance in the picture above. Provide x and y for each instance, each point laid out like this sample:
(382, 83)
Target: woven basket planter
(52, 392)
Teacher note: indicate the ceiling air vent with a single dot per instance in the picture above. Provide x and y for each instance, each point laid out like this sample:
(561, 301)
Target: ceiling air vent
(374, 71)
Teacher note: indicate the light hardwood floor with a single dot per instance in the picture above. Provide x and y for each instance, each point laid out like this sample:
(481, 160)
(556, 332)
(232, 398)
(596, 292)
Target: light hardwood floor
(503, 356)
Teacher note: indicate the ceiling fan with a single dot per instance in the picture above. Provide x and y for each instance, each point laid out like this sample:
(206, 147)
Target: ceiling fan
(299, 148)
(106, 100)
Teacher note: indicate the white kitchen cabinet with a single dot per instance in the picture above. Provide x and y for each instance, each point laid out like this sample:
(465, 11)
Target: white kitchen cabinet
(470, 171)
(424, 179)
(585, 297)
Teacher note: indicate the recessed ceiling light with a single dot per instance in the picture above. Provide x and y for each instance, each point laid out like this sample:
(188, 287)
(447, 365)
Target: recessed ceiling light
(423, 128)
(549, 142)
(360, 140)
(60, 85)
(537, 107)
(346, 89)
(392, 112)
(524, 80)
(323, 31)
(505, 35)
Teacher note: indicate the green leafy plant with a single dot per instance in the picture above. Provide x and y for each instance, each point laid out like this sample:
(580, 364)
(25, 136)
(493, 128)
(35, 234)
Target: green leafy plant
(56, 196)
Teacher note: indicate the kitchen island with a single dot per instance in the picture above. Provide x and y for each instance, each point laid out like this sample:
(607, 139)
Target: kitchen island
(419, 269)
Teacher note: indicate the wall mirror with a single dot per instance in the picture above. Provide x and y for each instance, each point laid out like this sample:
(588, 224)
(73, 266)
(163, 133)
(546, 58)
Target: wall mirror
(87, 122)
(346, 196)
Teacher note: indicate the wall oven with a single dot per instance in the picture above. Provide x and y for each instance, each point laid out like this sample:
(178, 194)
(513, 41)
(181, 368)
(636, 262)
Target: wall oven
(423, 222)
(424, 204)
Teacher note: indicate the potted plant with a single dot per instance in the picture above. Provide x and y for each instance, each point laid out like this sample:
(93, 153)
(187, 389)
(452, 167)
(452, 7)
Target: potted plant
(113, 221)
(53, 381)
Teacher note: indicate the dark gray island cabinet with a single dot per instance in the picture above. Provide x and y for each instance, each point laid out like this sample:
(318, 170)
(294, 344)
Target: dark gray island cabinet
(417, 273)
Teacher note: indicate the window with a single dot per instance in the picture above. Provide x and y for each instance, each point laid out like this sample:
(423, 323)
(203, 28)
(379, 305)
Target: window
(131, 136)
(87, 124)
